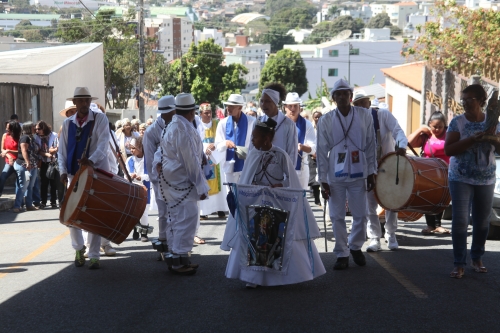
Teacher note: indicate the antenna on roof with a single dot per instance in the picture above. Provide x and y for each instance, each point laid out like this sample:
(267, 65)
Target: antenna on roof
(344, 34)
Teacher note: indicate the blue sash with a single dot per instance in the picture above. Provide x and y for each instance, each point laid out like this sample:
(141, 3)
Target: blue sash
(76, 148)
(238, 138)
(301, 131)
(132, 170)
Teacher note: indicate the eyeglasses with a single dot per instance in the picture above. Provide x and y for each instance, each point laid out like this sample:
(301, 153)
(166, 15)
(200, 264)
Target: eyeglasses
(467, 100)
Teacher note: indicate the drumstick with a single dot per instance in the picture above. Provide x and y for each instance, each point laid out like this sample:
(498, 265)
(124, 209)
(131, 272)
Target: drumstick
(413, 150)
(397, 165)
(324, 222)
(116, 150)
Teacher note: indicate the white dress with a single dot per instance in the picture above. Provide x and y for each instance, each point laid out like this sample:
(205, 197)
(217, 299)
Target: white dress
(302, 259)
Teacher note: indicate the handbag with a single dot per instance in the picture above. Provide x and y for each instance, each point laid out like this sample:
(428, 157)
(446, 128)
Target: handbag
(52, 169)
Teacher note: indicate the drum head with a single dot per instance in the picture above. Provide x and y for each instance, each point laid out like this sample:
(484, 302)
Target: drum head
(74, 198)
(390, 195)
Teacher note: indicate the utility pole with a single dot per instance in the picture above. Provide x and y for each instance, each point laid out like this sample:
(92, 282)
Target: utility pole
(349, 62)
(142, 115)
(182, 75)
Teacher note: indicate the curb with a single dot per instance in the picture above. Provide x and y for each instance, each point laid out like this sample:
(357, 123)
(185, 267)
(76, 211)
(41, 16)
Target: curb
(6, 204)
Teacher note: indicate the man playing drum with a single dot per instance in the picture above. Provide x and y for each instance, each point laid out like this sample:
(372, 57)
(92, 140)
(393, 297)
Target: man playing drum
(346, 168)
(388, 134)
(76, 131)
(182, 181)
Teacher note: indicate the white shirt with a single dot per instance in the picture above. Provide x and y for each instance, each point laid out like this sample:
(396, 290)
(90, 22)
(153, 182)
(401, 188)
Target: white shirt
(220, 135)
(285, 136)
(362, 131)
(309, 140)
(99, 143)
(182, 153)
(390, 132)
(151, 142)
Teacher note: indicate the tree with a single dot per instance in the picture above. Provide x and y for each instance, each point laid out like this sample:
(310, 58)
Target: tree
(291, 18)
(287, 68)
(321, 92)
(203, 74)
(277, 37)
(24, 23)
(460, 38)
(379, 21)
(274, 6)
(325, 31)
(333, 11)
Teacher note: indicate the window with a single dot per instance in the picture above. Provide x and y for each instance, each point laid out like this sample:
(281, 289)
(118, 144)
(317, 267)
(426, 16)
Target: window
(354, 51)
(333, 53)
(333, 72)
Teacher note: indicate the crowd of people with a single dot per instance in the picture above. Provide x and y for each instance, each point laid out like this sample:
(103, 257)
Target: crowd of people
(188, 153)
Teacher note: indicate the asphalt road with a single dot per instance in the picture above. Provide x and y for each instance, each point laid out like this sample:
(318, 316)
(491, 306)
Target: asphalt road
(397, 291)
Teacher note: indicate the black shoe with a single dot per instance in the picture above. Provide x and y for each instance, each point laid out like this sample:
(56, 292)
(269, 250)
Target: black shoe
(358, 257)
(342, 263)
(54, 206)
(135, 235)
(184, 270)
(42, 206)
(144, 238)
(203, 217)
(221, 214)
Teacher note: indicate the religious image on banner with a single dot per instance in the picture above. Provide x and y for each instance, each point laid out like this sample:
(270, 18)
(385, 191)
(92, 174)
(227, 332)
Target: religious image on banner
(266, 232)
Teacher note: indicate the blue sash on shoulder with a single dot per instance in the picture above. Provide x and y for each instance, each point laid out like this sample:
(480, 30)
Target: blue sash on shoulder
(77, 140)
(301, 131)
(238, 138)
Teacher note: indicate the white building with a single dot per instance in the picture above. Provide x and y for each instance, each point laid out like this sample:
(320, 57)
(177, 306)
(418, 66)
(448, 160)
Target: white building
(90, 4)
(206, 34)
(247, 52)
(60, 67)
(175, 34)
(399, 13)
(403, 88)
(357, 60)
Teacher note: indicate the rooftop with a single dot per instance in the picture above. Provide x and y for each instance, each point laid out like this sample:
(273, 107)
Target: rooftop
(411, 3)
(43, 60)
(409, 75)
(246, 18)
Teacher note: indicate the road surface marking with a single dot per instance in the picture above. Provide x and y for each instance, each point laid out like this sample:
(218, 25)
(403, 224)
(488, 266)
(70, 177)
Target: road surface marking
(37, 252)
(398, 276)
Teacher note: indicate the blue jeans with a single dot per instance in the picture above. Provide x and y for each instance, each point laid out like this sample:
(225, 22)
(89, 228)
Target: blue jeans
(466, 198)
(23, 186)
(7, 171)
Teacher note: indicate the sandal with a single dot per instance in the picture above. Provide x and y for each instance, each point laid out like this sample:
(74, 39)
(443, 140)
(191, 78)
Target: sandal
(441, 231)
(199, 240)
(478, 267)
(457, 273)
(428, 231)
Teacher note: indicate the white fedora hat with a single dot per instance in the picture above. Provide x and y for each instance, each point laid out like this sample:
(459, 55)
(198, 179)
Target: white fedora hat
(340, 85)
(81, 92)
(166, 104)
(292, 98)
(235, 99)
(185, 101)
(360, 94)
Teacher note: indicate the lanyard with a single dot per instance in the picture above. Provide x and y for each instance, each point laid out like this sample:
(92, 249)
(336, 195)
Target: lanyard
(346, 133)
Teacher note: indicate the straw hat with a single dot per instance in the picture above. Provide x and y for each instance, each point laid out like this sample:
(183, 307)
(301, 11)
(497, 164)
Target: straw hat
(81, 92)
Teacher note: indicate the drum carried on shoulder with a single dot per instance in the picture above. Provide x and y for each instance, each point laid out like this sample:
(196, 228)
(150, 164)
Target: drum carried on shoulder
(103, 203)
(421, 186)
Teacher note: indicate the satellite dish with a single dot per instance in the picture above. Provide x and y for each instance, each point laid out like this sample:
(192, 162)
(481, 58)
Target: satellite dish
(343, 35)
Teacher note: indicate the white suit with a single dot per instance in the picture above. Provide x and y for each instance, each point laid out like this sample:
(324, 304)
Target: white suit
(309, 140)
(346, 157)
(285, 136)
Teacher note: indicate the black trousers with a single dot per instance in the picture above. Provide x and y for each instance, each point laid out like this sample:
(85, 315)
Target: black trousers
(44, 186)
(434, 221)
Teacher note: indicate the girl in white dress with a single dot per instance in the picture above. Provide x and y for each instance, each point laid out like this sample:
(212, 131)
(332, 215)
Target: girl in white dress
(267, 165)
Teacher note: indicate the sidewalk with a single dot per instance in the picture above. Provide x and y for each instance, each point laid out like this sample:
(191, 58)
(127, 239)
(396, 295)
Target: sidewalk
(7, 198)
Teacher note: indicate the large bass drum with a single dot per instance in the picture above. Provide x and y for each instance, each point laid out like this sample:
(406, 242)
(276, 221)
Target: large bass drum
(103, 203)
(422, 185)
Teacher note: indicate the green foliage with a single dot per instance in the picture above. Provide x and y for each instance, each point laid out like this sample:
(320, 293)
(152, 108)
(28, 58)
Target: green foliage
(274, 6)
(23, 23)
(203, 75)
(322, 91)
(287, 68)
(277, 37)
(325, 31)
(379, 21)
(291, 18)
(333, 10)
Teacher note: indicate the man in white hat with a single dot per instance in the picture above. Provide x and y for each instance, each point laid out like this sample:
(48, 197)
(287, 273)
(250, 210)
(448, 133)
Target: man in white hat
(182, 181)
(233, 131)
(346, 168)
(151, 143)
(73, 140)
(388, 134)
(306, 137)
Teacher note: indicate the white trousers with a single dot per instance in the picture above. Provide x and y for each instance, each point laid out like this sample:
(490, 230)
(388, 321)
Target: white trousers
(198, 222)
(145, 216)
(303, 176)
(93, 241)
(355, 193)
(373, 226)
(104, 241)
(184, 218)
(163, 219)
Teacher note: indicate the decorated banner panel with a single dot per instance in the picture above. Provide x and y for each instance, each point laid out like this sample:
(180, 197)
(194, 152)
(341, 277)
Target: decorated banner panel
(270, 220)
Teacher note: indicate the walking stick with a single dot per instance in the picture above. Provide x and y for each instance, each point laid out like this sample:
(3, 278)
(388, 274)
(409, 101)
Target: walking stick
(116, 150)
(324, 222)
